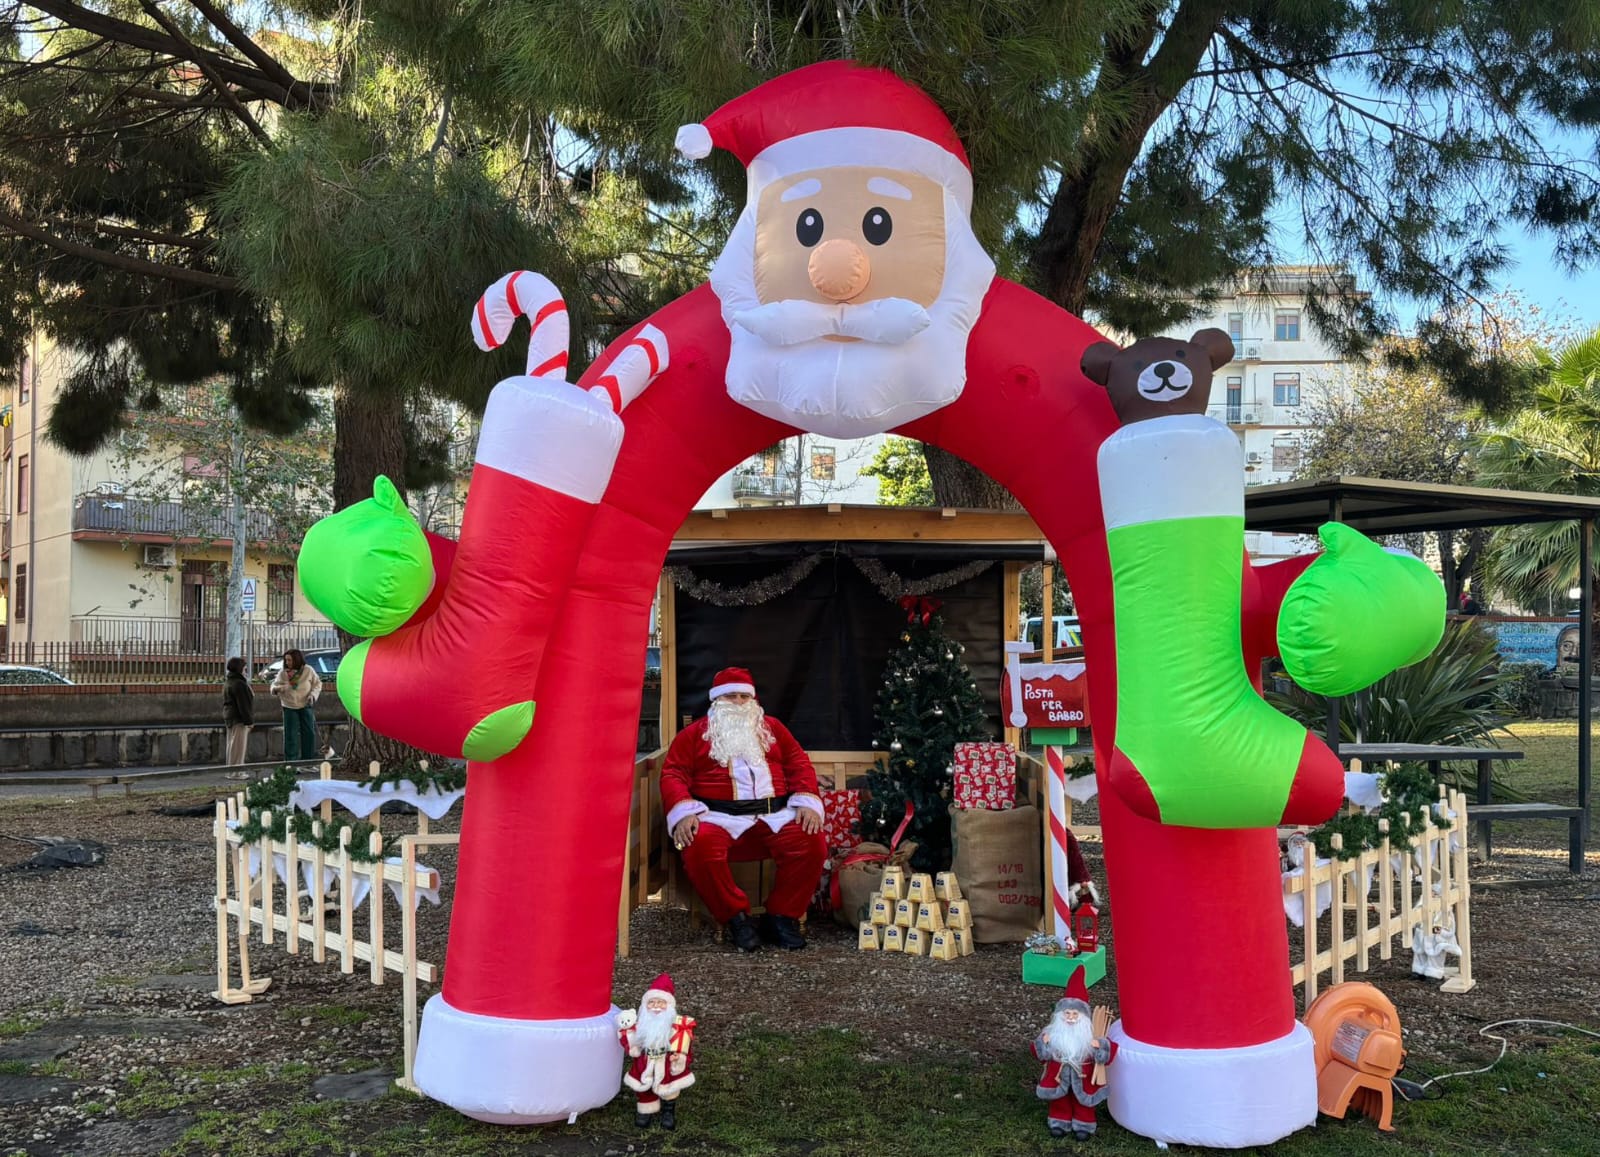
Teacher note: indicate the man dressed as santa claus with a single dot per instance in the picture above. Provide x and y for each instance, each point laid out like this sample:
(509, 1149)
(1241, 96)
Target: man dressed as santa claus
(659, 1044)
(737, 787)
(1070, 1051)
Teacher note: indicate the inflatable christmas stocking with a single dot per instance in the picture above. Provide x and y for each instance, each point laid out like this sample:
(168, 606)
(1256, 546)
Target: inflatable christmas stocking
(544, 458)
(1197, 746)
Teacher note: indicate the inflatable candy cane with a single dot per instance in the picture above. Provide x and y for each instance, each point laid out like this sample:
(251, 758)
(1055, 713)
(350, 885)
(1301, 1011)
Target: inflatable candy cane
(535, 297)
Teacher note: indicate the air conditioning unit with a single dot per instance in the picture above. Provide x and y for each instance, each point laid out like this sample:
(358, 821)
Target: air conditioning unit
(1253, 458)
(1252, 351)
(1252, 417)
(160, 557)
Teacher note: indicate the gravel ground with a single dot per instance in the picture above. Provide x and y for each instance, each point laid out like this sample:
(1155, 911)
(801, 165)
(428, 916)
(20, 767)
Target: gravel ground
(110, 1041)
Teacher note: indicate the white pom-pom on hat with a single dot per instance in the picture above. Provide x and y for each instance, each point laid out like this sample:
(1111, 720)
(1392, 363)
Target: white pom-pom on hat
(694, 141)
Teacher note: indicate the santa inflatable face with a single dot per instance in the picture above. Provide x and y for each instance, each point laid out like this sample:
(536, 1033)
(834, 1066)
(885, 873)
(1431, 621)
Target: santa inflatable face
(853, 278)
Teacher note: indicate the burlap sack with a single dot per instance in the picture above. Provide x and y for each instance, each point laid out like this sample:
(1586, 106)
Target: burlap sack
(860, 878)
(998, 865)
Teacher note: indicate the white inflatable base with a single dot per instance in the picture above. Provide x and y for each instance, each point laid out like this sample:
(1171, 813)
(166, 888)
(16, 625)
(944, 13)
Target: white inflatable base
(1219, 1098)
(517, 1072)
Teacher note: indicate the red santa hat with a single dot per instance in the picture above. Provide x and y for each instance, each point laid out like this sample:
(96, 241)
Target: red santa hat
(732, 681)
(1077, 997)
(660, 987)
(833, 114)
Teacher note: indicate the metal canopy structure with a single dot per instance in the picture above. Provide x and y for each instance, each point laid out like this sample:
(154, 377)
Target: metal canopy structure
(1380, 506)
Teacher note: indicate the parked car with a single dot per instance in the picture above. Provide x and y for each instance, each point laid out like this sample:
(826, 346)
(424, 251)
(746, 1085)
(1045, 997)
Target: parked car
(324, 663)
(1066, 632)
(12, 675)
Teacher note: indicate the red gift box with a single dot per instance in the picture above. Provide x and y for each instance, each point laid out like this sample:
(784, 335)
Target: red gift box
(985, 777)
(841, 821)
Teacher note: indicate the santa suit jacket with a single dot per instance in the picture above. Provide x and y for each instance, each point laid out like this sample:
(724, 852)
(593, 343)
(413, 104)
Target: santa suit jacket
(690, 775)
(664, 1074)
(1058, 1080)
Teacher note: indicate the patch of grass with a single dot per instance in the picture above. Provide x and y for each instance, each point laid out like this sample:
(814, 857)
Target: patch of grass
(92, 1107)
(829, 1093)
(329, 1014)
(15, 1068)
(1549, 774)
(19, 1023)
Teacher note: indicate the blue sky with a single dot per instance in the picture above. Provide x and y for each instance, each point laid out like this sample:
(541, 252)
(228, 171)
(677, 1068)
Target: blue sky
(1537, 278)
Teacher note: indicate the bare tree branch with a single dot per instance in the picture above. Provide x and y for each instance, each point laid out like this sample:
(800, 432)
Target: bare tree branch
(119, 260)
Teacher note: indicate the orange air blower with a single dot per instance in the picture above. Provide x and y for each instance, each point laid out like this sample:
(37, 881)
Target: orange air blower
(1359, 1051)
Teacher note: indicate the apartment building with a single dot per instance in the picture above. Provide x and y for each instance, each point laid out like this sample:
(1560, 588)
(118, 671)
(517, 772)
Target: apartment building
(91, 560)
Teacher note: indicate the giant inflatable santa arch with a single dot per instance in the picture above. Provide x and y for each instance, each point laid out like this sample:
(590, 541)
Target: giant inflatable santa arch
(852, 298)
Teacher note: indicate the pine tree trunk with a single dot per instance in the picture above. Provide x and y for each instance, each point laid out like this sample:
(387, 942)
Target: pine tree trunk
(956, 482)
(368, 440)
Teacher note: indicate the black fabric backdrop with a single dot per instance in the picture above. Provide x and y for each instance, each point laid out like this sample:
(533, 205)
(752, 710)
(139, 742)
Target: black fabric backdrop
(818, 652)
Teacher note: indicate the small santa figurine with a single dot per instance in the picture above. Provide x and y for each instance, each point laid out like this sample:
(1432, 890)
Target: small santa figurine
(1070, 1051)
(658, 1042)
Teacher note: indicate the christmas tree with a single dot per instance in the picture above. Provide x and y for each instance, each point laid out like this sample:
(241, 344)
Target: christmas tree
(928, 703)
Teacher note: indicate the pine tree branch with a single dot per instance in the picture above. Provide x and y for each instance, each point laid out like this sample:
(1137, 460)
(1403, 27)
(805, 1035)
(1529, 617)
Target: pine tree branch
(301, 95)
(154, 236)
(209, 71)
(1093, 180)
(241, 40)
(121, 261)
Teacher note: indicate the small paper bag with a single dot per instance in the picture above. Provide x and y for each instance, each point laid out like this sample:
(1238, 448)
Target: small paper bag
(882, 911)
(945, 887)
(893, 885)
(958, 915)
(930, 918)
(944, 945)
(920, 888)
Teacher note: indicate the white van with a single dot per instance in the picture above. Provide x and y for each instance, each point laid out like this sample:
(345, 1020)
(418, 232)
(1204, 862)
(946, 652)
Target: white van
(1066, 632)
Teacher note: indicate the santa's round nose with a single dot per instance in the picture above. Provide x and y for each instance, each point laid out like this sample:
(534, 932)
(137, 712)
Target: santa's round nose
(839, 270)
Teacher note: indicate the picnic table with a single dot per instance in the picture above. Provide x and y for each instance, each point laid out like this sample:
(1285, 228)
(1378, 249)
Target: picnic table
(1484, 812)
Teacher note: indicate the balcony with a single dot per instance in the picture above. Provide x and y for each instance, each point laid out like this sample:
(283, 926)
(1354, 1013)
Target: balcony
(768, 487)
(115, 518)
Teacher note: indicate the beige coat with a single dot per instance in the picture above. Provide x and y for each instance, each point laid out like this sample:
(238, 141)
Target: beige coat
(302, 692)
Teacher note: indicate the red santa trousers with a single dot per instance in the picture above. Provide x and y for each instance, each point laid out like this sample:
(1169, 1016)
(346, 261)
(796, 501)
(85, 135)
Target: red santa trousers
(1068, 1108)
(798, 857)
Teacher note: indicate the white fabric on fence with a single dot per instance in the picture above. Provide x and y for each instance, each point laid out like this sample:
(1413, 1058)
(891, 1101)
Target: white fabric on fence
(360, 884)
(1361, 788)
(353, 796)
(1083, 789)
(1294, 904)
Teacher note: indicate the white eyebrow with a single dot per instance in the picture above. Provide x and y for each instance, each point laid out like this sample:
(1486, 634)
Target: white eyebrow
(803, 189)
(887, 188)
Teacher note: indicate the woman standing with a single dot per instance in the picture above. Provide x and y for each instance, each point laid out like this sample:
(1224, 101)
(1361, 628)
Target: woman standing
(238, 711)
(298, 688)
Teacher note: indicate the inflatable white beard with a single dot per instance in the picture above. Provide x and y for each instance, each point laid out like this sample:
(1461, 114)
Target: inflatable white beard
(1069, 1043)
(905, 363)
(738, 731)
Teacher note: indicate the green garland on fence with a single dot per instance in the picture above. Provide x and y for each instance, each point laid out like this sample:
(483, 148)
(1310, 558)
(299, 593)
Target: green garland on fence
(1409, 794)
(422, 774)
(273, 794)
(1082, 767)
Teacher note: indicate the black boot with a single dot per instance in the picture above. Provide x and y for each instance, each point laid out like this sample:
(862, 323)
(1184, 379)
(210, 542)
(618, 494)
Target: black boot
(743, 933)
(784, 931)
(669, 1115)
(644, 1120)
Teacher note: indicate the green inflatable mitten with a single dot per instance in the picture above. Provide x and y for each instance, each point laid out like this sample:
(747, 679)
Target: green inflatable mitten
(368, 566)
(1357, 613)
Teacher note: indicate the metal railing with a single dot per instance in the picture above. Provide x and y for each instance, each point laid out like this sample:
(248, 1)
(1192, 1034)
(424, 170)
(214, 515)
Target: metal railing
(119, 514)
(105, 649)
(763, 486)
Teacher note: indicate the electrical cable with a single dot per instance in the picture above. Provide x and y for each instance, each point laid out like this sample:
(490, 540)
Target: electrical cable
(1413, 1090)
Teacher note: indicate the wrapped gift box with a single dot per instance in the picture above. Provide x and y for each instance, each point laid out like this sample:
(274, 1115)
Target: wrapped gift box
(916, 942)
(985, 777)
(894, 938)
(841, 819)
(868, 940)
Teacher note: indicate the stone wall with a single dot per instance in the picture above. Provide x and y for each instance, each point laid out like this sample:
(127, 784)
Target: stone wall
(171, 746)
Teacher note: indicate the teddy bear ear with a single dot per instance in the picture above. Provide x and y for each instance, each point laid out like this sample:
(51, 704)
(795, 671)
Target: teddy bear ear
(1216, 343)
(1097, 359)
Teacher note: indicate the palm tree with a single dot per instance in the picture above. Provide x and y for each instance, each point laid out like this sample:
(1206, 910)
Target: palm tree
(1552, 445)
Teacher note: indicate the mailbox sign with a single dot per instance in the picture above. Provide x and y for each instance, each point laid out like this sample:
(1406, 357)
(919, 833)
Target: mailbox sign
(1045, 694)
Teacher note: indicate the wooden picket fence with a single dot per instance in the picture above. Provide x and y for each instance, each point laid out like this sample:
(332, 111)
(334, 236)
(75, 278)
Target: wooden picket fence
(1414, 886)
(252, 901)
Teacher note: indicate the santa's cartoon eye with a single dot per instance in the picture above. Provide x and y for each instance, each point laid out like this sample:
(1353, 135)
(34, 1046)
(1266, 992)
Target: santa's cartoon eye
(877, 225)
(809, 227)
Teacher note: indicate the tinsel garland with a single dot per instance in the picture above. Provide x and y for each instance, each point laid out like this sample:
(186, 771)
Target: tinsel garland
(892, 587)
(749, 595)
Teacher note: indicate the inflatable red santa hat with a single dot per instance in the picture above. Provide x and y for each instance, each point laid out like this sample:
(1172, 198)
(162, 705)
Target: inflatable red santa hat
(840, 110)
(732, 681)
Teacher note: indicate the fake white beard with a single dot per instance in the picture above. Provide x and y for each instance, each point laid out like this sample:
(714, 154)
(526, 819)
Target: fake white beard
(854, 388)
(738, 731)
(654, 1030)
(1069, 1043)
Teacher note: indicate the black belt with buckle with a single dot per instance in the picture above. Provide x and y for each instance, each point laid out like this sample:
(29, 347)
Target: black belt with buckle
(748, 807)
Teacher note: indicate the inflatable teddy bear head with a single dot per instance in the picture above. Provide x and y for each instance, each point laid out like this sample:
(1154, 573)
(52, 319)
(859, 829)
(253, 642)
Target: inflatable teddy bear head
(1159, 376)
